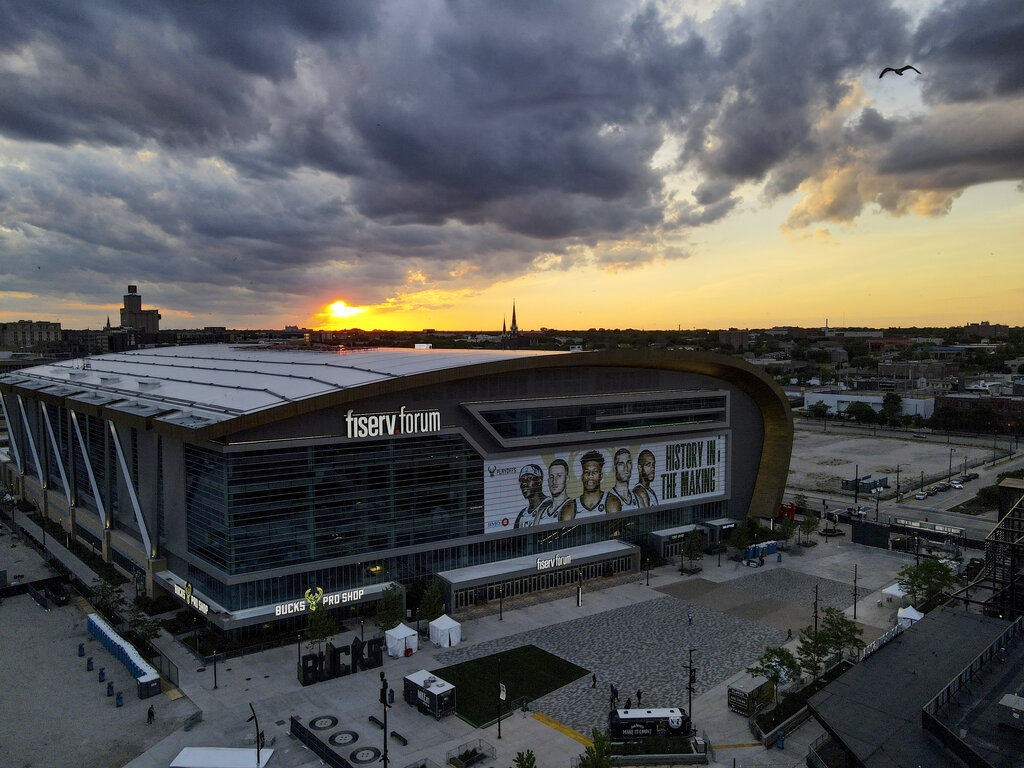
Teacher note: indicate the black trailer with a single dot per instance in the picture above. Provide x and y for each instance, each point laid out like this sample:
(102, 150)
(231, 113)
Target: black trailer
(637, 724)
(429, 693)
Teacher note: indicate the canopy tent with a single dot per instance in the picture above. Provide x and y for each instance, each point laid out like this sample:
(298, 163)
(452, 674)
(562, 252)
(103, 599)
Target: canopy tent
(445, 631)
(400, 640)
(894, 591)
(907, 616)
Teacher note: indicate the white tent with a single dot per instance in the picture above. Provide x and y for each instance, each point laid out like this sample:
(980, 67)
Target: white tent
(907, 616)
(445, 631)
(894, 591)
(400, 639)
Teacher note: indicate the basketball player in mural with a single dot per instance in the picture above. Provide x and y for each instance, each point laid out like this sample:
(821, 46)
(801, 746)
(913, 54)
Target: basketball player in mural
(623, 463)
(594, 501)
(562, 507)
(645, 467)
(531, 484)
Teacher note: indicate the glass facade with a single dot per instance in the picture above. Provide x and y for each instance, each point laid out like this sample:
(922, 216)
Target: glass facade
(537, 421)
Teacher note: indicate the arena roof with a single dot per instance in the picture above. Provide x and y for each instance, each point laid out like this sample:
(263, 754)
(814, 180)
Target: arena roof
(196, 386)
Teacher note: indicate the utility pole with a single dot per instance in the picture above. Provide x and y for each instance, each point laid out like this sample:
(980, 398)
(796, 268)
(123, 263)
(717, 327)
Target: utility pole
(856, 483)
(689, 687)
(950, 475)
(815, 607)
(897, 489)
(878, 499)
(499, 697)
(501, 603)
(855, 585)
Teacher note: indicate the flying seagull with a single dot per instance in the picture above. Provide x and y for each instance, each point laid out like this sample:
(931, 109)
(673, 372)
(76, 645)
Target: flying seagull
(899, 71)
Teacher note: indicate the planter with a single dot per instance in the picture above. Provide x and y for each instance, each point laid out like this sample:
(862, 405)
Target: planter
(698, 758)
(690, 571)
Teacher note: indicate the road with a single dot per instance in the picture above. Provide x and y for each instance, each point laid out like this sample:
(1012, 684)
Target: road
(934, 509)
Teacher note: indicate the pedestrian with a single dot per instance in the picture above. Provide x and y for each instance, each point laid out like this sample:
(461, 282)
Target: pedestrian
(150, 715)
(789, 634)
(629, 703)
(593, 680)
(639, 696)
(689, 617)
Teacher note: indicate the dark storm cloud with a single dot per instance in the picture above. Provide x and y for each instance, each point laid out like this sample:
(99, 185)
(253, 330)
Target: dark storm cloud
(229, 151)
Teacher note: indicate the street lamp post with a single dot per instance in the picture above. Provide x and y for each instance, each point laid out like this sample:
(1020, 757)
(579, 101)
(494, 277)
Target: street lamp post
(648, 564)
(950, 475)
(501, 602)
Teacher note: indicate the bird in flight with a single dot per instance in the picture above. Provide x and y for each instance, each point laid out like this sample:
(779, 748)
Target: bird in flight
(899, 71)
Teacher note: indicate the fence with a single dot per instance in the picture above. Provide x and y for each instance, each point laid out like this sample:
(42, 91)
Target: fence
(167, 668)
(474, 752)
(317, 747)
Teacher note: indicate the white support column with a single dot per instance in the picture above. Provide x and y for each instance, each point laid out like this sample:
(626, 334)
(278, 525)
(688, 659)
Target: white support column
(56, 454)
(31, 442)
(131, 491)
(101, 510)
(13, 442)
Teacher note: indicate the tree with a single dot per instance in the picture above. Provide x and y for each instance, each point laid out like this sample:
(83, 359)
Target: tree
(108, 597)
(739, 537)
(808, 525)
(812, 650)
(776, 665)
(321, 627)
(892, 409)
(693, 547)
(801, 502)
(599, 754)
(431, 604)
(786, 530)
(861, 412)
(840, 632)
(925, 581)
(139, 623)
(818, 410)
(390, 609)
(525, 759)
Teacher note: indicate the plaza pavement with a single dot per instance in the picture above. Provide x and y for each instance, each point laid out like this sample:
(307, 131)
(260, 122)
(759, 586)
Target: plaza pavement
(626, 632)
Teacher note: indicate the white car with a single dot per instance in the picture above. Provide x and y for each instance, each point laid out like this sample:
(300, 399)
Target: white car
(920, 495)
(956, 485)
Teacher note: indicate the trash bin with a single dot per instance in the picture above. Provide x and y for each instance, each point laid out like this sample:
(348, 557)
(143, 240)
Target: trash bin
(81, 649)
(103, 674)
(778, 559)
(119, 700)
(779, 741)
(88, 664)
(110, 688)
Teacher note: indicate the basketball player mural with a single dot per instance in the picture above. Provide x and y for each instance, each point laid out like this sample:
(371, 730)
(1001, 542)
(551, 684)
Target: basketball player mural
(531, 484)
(623, 471)
(594, 501)
(562, 507)
(645, 467)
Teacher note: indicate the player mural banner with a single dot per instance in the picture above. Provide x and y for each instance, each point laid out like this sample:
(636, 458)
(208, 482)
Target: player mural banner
(570, 484)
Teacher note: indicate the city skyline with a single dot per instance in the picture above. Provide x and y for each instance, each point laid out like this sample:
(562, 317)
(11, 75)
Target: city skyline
(421, 165)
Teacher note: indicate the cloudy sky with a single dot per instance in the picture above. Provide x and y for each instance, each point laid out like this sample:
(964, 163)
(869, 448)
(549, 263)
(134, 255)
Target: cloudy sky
(605, 164)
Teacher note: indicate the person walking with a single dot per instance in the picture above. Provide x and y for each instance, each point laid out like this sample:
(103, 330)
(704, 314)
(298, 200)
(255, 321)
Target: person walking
(689, 617)
(639, 696)
(789, 634)
(593, 680)
(629, 703)
(150, 715)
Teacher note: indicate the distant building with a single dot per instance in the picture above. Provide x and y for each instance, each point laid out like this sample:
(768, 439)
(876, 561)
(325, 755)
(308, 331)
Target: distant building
(735, 338)
(27, 334)
(916, 369)
(135, 317)
(986, 330)
(889, 344)
(510, 336)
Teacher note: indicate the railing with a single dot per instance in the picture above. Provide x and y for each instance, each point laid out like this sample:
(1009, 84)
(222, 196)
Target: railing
(891, 634)
(474, 752)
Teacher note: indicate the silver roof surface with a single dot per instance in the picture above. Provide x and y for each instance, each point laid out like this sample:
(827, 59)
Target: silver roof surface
(195, 386)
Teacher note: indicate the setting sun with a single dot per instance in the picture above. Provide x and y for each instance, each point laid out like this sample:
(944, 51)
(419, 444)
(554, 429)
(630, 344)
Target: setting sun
(341, 310)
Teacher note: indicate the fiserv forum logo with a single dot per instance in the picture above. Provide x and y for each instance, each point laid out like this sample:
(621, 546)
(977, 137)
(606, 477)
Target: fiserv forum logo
(402, 422)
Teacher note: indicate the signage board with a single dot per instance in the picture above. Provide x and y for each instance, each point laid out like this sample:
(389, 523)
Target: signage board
(315, 599)
(584, 482)
(400, 422)
(186, 594)
(949, 530)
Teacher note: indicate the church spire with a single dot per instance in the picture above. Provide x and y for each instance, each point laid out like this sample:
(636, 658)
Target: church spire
(515, 327)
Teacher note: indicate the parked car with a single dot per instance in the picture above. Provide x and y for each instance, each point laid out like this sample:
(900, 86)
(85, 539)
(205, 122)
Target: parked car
(919, 436)
(57, 594)
(971, 475)
(920, 495)
(957, 485)
(932, 491)
(943, 487)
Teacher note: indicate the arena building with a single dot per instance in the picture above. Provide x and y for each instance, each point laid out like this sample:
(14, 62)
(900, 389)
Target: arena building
(250, 479)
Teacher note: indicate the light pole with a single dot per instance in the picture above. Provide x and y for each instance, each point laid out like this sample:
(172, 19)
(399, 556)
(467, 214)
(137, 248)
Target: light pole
(499, 697)
(259, 735)
(648, 564)
(385, 697)
(689, 688)
(950, 475)
(856, 484)
(501, 602)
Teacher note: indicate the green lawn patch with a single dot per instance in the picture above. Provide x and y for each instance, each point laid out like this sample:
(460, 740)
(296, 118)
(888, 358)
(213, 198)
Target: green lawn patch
(526, 672)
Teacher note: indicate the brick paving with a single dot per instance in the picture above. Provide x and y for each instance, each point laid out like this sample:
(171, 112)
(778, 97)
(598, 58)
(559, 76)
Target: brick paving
(643, 645)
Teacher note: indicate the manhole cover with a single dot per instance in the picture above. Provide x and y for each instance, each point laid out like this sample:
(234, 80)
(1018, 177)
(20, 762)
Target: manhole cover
(323, 722)
(365, 755)
(201, 669)
(343, 738)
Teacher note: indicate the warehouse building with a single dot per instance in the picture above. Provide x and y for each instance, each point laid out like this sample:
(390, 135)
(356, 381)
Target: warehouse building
(249, 480)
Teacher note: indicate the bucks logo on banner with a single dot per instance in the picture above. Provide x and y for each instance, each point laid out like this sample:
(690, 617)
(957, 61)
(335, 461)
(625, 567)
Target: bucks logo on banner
(313, 598)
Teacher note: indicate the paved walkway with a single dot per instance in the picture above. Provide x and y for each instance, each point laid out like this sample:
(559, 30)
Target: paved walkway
(627, 632)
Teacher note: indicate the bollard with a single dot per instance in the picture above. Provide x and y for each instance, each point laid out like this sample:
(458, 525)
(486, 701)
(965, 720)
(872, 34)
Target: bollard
(103, 674)
(119, 700)
(88, 664)
(779, 558)
(81, 650)
(110, 688)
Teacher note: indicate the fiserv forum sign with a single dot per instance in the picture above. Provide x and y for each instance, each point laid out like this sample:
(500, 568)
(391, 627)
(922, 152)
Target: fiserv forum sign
(401, 422)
